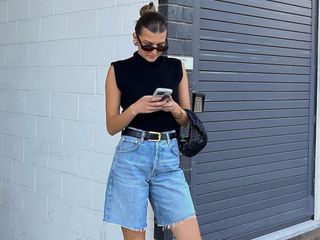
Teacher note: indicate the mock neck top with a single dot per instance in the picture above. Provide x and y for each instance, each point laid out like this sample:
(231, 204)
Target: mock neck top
(137, 77)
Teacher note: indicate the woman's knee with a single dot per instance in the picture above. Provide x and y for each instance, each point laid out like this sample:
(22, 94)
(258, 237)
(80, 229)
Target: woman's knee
(132, 235)
(186, 230)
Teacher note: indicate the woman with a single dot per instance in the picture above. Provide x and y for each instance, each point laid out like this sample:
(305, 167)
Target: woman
(146, 161)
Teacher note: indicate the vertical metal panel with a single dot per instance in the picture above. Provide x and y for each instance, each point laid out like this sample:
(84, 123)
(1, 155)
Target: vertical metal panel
(258, 74)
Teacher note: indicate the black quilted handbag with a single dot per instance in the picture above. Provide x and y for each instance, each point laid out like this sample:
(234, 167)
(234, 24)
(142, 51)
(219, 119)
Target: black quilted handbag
(196, 138)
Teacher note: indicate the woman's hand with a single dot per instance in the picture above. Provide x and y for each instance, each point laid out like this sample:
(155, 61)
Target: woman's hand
(147, 104)
(171, 106)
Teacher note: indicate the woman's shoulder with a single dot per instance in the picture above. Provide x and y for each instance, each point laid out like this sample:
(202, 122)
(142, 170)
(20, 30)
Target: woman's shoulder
(173, 61)
(122, 62)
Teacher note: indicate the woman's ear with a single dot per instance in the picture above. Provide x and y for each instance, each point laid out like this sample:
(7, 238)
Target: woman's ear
(135, 42)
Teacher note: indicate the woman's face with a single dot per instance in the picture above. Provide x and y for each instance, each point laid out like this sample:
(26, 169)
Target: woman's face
(149, 38)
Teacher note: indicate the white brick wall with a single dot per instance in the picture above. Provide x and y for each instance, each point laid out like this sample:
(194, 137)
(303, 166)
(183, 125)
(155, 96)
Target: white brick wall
(55, 153)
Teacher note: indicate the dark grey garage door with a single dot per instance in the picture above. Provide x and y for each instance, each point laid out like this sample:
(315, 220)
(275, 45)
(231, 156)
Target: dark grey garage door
(255, 61)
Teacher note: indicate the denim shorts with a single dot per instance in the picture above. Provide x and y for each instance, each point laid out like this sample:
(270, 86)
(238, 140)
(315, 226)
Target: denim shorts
(143, 170)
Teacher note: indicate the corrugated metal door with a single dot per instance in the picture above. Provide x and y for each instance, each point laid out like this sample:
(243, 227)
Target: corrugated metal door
(255, 61)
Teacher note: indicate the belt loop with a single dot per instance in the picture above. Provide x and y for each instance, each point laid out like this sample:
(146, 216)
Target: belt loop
(143, 134)
(168, 138)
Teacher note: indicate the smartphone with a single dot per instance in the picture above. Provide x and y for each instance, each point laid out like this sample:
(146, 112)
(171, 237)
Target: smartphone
(164, 92)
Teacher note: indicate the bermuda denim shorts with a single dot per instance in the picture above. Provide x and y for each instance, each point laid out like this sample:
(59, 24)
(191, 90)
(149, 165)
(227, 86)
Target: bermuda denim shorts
(143, 170)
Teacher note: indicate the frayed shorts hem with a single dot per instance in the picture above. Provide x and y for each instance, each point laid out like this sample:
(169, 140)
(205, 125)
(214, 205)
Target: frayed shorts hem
(172, 225)
(143, 229)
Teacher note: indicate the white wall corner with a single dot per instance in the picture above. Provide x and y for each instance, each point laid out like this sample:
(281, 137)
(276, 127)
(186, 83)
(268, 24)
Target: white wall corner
(317, 142)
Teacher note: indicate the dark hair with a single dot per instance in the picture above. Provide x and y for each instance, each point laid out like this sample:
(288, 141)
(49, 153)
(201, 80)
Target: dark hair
(151, 20)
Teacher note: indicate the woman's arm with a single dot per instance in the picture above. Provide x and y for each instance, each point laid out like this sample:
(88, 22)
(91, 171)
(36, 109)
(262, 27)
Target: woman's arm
(115, 122)
(184, 100)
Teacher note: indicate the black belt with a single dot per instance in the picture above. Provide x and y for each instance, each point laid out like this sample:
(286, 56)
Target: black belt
(149, 135)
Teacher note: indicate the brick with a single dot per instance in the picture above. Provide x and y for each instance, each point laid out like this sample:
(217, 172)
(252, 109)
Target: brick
(172, 30)
(62, 158)
(66, 52)
(22, 223)
(18, 9)
(2, 56)
(6, 168)
(17, 55)
(89, 223)
(92, 108)
(3, 11)
(98, 194)
(77, 190)
(127, 48)
(53, 27)
(36, 152)
(175, 13)
(18, 78)
(24, 125)
(163, 10)
(110, 21)
(187, 3)
(23, 173)
(37, 103)
(49, 130)
(185, 31)
(130, 16)
(62, 6)
(6, 232)
(114, 232)
(12, 147)
(28, 30)
(46, 230)
(176, 47)
(187, 46)
(66, 79)
(15, 101)
(185, 163)
(0, 187)
(127, 2)
(11, 32)
(36, 203)
(67, 234)
(48, 181)
(91, 4)
(6, 125)
(101, 73)
(69, 103)
(77, 134)
(94, 166)
(2, 92)
(12, 196)
(82, 24)
(102, 141)
(187, 15)
(97, 51)
(39, 8)
(76, 218)
(5, 215)
(40, 53)
(61, 211)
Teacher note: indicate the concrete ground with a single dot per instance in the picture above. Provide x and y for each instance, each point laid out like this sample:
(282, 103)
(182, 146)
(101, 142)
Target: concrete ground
(312, 235)
(309, 230)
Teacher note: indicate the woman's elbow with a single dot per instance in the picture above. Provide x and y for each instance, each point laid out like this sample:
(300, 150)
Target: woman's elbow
(110, 130)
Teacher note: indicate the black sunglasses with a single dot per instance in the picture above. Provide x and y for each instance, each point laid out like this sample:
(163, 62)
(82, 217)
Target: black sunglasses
(150, 47)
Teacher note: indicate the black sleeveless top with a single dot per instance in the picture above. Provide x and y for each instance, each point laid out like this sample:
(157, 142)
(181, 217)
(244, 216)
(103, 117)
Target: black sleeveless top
(136, 77)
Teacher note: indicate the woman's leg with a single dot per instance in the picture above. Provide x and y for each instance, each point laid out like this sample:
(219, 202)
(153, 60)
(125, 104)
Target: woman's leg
(132, 235)
(188, 230)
